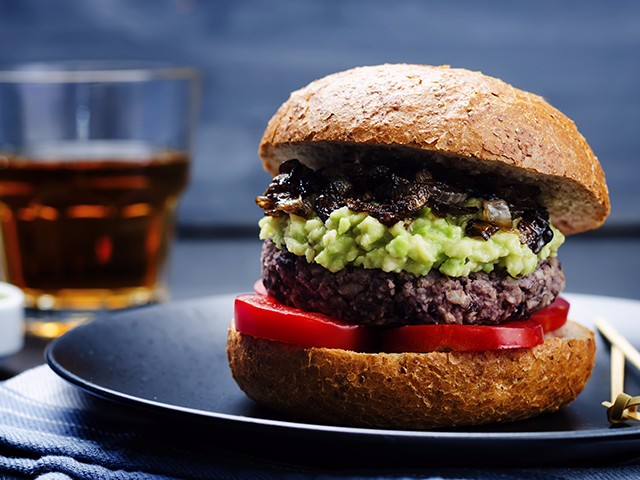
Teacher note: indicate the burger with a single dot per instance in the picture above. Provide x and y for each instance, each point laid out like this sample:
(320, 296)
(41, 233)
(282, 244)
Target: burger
(410, 276)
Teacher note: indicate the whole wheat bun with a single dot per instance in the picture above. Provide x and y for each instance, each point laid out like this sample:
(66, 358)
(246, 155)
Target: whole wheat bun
(464, 119)
(413, 390)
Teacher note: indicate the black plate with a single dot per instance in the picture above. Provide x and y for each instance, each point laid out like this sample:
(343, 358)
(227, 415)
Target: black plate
(171, 359)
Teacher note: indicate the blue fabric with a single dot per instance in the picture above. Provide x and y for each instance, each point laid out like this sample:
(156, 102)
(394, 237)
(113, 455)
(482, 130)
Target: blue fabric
(52, 431)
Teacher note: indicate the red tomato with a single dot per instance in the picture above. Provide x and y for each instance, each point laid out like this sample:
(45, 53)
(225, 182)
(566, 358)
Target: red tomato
(259, 289)
(554, 316)
(462, 338)
(264, 317)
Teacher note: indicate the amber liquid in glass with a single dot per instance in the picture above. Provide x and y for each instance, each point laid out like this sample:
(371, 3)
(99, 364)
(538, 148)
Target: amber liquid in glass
(90, 231)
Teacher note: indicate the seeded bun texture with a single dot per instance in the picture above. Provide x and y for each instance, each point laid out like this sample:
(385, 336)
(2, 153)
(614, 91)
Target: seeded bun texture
(413, 390)
(456, 117)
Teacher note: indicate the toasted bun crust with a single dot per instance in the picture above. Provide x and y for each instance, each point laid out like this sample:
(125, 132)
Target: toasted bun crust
(410, 390)
(454, 116)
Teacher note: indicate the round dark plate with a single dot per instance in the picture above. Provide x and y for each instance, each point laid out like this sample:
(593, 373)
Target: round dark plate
(171, 360)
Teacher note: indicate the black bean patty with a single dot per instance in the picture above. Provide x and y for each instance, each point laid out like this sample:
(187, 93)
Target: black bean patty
(374, 297)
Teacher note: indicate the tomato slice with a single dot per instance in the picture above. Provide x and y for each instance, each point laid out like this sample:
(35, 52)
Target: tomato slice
(462, 338)
(259, 289)
(552, 317)
(264, 317)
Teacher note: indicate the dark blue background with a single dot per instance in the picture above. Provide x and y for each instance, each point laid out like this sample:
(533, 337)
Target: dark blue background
(583, 56)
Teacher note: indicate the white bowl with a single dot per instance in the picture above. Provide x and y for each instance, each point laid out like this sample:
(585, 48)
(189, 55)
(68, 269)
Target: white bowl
(11, 319)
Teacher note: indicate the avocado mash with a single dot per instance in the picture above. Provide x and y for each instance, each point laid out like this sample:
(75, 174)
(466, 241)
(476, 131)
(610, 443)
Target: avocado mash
(417, 246)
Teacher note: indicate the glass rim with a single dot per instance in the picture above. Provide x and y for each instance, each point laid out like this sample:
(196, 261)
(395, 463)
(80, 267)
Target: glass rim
(88, 71)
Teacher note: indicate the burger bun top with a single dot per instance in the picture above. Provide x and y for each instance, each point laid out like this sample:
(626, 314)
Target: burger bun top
(458, 118)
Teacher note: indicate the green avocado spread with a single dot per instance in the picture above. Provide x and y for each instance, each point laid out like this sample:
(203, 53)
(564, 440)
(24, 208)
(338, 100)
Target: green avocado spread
(416, 246)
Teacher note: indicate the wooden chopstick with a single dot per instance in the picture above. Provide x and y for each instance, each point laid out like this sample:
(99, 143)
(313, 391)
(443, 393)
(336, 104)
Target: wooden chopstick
(611, 334)
(617, 372)
(621, 406)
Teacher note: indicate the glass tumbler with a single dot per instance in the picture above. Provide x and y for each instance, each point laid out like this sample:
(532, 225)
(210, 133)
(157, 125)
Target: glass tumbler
(94, 157)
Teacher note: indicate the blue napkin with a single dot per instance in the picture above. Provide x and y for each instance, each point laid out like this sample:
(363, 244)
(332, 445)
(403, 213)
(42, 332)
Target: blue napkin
(49, 430)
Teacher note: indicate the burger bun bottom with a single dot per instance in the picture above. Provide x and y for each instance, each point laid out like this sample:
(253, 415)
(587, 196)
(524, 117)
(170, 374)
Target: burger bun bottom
(413, 391)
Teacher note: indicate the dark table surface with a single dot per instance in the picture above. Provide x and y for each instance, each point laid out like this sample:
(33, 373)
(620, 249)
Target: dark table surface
(593, 264)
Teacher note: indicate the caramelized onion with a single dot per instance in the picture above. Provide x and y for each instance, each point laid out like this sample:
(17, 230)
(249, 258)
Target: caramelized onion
(497, 212)
(445, 195)
(535, 231)
(392, 192)
(480, 228)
